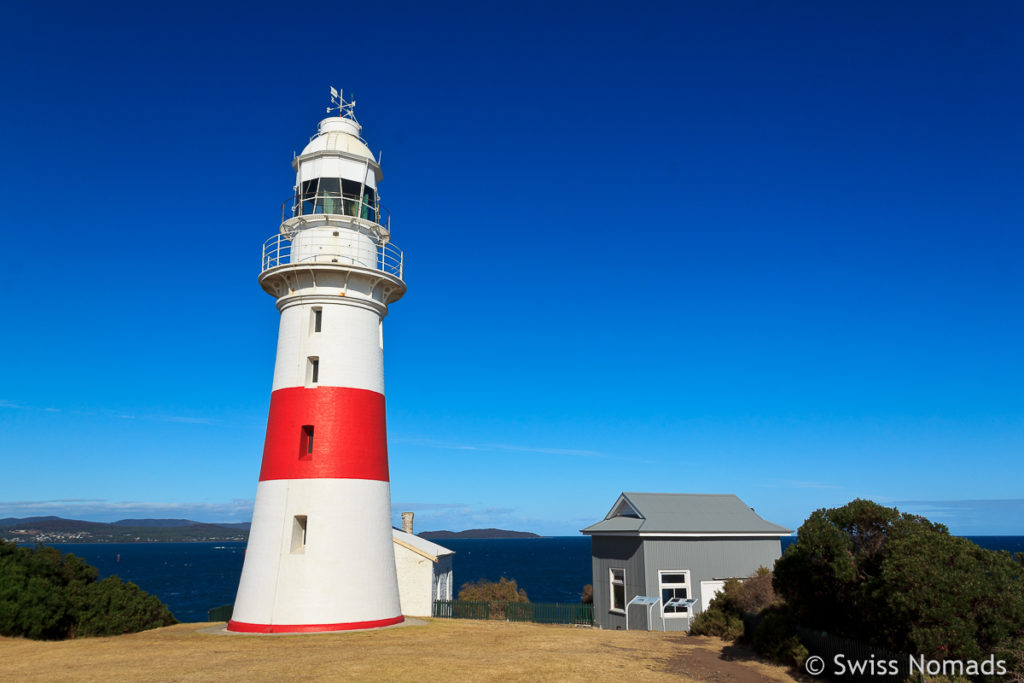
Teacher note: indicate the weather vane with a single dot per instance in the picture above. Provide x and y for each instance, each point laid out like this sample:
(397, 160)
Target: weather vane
(338, 103)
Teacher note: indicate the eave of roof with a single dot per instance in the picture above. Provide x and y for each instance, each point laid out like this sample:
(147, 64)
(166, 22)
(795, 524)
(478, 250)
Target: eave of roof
(684, 515)
(421, 546)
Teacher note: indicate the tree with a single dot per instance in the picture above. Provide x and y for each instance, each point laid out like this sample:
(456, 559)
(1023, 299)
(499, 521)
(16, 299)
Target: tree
(504, 590)
(946, 597)
(49, 596)
(899, 581)
(498, 594)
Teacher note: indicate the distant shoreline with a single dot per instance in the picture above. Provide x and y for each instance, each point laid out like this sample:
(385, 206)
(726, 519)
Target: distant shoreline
(477, 533)
(60, 530)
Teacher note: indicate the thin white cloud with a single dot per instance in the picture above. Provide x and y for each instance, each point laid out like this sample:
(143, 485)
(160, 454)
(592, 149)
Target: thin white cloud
(179, 419)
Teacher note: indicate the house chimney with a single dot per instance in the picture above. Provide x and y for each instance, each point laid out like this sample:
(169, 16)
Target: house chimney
(407, 522)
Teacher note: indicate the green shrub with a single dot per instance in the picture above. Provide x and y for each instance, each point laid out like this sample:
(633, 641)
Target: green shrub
(718, 622)
(111, 607)
(898, 581)
(722, 617)
(1011, 651)
(775, 637)
(45, 595)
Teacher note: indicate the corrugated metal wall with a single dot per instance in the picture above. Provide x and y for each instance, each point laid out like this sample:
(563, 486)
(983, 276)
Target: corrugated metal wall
(619, 553)
(706, 559)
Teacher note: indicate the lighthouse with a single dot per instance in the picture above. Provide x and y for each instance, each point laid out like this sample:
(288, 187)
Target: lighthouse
(320, 555)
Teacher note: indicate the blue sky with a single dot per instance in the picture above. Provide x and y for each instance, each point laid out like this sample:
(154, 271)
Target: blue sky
(771, 249)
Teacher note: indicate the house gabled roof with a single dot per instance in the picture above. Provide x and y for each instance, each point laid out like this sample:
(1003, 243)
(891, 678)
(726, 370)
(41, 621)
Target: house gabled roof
(683, 514)
(420, 546)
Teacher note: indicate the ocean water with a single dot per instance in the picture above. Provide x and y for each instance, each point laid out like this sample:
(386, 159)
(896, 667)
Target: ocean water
(194, 577)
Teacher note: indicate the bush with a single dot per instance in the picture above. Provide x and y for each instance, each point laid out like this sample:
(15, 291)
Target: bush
(1011, 651)
(900, 582)
(717, 622)
(498, 594)
(587, 597)
(723, 615)
(48, 596)
(775, 637)
(756, 593)
(504, 590)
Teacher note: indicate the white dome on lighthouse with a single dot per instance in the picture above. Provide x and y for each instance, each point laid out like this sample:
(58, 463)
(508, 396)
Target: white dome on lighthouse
(338, 134)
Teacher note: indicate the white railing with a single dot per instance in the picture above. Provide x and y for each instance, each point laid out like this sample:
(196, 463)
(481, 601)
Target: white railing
(354, 250)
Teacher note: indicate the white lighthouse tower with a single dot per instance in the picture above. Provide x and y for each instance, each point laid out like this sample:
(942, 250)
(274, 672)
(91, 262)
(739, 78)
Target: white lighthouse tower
(320, 554)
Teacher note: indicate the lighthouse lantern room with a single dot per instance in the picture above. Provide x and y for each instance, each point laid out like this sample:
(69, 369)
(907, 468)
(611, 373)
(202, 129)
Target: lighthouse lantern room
(320, 554)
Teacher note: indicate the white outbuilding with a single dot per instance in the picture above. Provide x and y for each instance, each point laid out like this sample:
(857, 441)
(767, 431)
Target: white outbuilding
(424, 570)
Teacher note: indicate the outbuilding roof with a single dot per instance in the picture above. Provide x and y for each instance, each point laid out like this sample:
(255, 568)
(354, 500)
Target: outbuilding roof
(683, 514)
(420, 546)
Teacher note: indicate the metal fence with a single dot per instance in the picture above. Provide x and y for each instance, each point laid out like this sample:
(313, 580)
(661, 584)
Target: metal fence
(541, 613)
(222, 613)
(845, 660)
(461, 609)
(849, 660)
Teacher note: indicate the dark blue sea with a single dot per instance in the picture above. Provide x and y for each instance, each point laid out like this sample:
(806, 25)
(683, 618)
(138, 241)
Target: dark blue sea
(193, 577)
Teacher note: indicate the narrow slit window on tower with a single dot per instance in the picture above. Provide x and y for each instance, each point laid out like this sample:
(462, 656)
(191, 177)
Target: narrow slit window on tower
(313, 372)
(299, 534)
(306, 443)
(318, 319)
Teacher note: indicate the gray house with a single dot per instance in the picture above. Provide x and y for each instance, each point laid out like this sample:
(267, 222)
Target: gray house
(673, 545)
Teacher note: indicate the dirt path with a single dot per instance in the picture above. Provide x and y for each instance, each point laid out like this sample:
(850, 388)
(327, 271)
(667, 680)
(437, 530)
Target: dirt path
(716, 661)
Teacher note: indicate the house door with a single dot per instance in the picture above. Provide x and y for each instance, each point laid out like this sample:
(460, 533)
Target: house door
(708, 590)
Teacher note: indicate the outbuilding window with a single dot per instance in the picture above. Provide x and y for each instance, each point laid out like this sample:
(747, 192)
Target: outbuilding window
(617, 579)
(674, 583)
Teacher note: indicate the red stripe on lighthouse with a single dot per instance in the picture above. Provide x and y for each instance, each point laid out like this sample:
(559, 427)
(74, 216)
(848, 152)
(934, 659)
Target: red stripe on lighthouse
(242, 627)
(349, 435)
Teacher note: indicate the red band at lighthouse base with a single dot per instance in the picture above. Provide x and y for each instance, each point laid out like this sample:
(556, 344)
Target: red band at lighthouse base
(348, 429)
(243, 627)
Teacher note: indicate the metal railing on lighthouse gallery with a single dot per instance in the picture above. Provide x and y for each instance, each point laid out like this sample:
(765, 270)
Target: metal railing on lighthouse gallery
(279, 250)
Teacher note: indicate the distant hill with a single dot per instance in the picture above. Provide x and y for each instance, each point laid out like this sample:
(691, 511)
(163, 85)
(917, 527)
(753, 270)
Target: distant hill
(477, 533)
(171, 523)
(15, 521)
(58, 530)
(154, 522)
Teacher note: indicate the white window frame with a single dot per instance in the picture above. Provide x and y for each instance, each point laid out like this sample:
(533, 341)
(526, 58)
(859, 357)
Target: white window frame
(611, 589)
(663, 586)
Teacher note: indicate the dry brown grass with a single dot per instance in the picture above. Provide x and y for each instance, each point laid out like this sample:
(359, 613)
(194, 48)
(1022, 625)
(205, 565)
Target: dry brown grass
(439, 650)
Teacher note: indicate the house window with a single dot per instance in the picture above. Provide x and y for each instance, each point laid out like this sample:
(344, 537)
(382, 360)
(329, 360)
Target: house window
(617, 579)
(674, 583)
(299, 535)
(306, 443)
(317, 321)
(313, 370)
